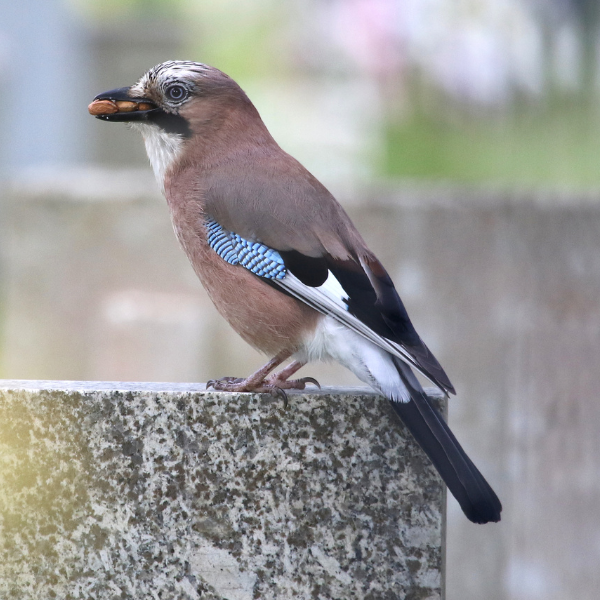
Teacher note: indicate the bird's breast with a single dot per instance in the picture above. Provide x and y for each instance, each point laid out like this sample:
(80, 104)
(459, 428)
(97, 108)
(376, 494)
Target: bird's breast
(263, 316)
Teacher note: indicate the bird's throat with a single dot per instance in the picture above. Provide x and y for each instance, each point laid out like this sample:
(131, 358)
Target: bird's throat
(163, 149)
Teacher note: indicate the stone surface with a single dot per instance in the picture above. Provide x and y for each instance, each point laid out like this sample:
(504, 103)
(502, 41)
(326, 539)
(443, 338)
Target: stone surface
(114, 490)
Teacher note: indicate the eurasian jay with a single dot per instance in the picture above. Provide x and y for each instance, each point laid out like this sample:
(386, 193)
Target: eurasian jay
(281, 259)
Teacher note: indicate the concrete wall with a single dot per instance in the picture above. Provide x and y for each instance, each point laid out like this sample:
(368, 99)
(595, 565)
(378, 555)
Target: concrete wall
(504, 288)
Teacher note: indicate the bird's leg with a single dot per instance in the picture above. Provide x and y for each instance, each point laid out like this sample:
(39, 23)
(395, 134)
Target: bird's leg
(253, 383)
(281, 381)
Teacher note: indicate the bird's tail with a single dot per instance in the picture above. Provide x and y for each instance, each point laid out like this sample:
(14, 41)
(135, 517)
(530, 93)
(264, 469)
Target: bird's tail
(474, 494)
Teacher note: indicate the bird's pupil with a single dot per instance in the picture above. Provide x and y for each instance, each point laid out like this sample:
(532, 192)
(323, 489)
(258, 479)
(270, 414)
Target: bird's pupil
(176, 92)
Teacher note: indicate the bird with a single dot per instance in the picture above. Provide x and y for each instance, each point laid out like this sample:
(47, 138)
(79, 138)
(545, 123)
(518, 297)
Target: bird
(280, 258)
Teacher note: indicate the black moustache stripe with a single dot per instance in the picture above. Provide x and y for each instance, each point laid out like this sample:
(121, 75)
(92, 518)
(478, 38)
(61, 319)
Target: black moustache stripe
(171, 123)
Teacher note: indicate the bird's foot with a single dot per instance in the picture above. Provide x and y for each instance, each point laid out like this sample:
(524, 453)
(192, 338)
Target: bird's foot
(292, 384)
(235, 384)
(221, 384)
(273, 385)
(276, 383)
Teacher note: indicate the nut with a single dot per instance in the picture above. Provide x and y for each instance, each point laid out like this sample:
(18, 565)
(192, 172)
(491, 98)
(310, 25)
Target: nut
(126, 106)
(102, 107)
(145, 106)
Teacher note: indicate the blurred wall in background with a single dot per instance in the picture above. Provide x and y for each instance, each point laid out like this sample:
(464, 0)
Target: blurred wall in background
(463, 138)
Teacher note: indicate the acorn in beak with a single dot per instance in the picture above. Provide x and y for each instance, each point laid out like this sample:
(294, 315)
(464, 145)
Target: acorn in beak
(118, 105)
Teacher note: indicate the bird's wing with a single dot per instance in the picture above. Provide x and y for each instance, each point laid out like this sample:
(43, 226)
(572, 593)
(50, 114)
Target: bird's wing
(278, 203)
(356, 292)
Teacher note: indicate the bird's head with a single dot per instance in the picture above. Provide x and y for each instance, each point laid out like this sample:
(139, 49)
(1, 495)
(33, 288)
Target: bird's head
(172, 103)
(168, 96)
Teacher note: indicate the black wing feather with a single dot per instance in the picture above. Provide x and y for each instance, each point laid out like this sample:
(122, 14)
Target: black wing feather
(386, 316)
(310, 271)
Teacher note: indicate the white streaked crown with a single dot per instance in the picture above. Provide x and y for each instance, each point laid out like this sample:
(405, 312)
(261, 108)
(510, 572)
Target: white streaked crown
(162, 75)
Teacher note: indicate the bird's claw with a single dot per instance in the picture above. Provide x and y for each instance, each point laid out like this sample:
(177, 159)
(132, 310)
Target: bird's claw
(223, 383)
(275, 387)
(312, 380)
(278, 392)
(293, 384)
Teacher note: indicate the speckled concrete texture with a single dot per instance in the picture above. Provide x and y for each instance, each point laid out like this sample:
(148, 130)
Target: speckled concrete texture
(161, 491)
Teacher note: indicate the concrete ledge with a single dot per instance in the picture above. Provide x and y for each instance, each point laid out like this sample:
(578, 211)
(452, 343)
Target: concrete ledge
(168, 491)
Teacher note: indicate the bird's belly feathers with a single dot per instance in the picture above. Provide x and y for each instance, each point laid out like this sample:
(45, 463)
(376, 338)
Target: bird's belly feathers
(331, 340)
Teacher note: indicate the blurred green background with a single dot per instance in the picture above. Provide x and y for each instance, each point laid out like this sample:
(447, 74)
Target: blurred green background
(535, 123)
(464, 91)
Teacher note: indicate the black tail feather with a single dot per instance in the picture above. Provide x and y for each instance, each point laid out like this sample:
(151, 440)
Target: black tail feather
(474, 494)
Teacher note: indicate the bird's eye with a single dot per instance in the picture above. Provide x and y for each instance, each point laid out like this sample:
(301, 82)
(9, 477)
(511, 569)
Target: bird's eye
(176, 93)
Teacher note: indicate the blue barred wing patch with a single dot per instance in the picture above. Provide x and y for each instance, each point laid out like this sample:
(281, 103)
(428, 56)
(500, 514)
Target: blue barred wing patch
(254, 256)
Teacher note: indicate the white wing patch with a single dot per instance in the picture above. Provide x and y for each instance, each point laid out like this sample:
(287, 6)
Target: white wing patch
(332, 289)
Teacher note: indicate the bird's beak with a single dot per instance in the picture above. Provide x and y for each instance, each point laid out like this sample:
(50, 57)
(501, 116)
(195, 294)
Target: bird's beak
(119, 105)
